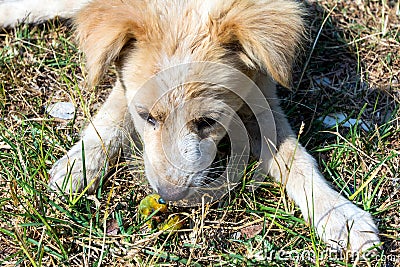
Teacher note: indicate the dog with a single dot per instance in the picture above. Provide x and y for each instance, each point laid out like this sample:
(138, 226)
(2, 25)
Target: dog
(166, 53)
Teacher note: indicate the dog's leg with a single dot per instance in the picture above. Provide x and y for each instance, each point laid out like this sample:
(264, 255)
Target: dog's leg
(28, 11)
(338, 221)
(101, 141)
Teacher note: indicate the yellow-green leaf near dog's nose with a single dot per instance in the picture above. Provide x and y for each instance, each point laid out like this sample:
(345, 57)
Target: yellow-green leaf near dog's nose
(173, 223)
(152, 203)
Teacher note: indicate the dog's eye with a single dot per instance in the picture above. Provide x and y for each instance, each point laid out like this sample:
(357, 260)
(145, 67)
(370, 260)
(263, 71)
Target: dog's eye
(204, 123)
(147, 117)
(151, 120)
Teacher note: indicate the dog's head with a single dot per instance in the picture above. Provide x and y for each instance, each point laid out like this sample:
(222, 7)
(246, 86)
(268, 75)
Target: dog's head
(178, 62)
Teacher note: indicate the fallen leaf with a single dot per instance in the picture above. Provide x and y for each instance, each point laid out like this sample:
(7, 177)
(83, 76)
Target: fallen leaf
(112, 227)
(252, 230)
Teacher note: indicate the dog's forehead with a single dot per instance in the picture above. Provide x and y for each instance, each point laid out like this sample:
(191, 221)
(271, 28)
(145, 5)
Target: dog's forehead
(182, 13)
(188, 101)
(180, 31)
(179, 41)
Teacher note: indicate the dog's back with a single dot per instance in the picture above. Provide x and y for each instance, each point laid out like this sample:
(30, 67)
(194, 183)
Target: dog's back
(12, 12)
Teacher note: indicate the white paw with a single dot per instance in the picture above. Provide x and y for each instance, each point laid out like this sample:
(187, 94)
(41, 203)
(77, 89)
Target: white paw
(345, 226)
(69, 175)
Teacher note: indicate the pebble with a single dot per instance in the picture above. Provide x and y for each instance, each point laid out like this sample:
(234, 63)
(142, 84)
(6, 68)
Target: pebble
(333, 119)
(61, 110)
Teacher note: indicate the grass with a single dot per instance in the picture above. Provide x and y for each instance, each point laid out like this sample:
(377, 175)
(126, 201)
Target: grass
(353, 68)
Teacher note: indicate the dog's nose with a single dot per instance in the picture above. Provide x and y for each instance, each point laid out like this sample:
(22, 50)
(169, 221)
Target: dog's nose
(171, 193)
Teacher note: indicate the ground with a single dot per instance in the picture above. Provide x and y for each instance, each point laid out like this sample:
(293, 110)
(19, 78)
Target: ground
(350, 64)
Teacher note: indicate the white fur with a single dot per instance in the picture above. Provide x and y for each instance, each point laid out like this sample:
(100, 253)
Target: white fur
(14, 11)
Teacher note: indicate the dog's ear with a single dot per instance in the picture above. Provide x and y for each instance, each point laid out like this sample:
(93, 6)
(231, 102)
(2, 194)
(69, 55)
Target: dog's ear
(103, 29)
(265, 34)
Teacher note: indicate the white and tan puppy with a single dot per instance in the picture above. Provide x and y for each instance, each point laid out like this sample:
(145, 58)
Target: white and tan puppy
(178, 88)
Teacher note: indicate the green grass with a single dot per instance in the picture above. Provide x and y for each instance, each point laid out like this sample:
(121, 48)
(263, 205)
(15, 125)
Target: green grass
(40, 65)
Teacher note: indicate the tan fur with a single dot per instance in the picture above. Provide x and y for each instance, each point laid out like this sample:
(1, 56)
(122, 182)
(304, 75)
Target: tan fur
(269, 33)
(104, 30)
(146, 39)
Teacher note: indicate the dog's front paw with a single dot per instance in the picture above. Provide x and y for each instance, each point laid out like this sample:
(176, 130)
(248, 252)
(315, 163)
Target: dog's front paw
(345, 226)
(72, 174)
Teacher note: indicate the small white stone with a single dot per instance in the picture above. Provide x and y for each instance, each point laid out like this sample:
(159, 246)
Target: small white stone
(333, 119)
(61, 110)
